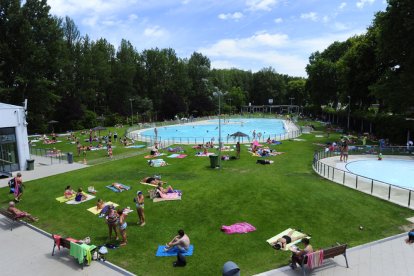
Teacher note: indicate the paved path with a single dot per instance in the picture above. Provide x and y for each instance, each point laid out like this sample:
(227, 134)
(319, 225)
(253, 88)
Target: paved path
(44, 168)
(390, 256)
(28, 251)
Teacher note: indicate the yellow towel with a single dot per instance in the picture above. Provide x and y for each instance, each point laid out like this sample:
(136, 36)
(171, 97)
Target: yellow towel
(62, 199)
(287, 247)
(95, 211)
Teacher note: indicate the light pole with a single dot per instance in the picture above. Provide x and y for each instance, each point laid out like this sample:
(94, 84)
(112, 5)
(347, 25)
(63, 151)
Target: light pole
(349, 109)
(132, 113)
(219, 94)
(291, 103)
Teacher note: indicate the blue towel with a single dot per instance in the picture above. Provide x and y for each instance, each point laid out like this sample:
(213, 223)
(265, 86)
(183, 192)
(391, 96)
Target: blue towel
(173, 252)
(110, 187)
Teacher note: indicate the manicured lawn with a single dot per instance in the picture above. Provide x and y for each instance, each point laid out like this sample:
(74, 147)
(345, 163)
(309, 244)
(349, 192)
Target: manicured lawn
(271, 197)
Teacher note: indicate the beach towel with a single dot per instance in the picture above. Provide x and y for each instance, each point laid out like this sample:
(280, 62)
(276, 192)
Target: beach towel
(175, 155)
(182, 156)
(240, 227)
(63, 199)
(173, 252)
(149, 184)
(201, 154)
(315, 259)
(287, 247)
(153, 156)
(73, 202)
(135, 147)
(110, 187)
(94, 210)
(157, 163)
(168, 196)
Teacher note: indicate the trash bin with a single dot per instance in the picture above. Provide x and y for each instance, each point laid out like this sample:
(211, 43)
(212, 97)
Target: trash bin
(213, 161)
(70, 157)
(30, 164)
(231, 269)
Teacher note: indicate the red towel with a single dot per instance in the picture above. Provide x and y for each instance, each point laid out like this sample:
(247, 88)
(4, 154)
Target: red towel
(57, 240)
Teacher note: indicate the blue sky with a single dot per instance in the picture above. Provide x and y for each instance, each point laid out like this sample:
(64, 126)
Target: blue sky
(245, 34)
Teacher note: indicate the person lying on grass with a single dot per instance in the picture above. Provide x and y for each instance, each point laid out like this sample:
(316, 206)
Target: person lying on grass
(20, 214)
(152, 180)
(118, 186)
(160, 192)
(286, 239)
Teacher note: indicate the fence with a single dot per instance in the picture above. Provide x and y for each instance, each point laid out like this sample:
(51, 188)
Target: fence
(396, 194)
(49, 155)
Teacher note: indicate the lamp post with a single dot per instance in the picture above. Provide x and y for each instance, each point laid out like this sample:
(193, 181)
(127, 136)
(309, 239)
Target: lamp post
(132, 113)
(219, 94)
(349, 109)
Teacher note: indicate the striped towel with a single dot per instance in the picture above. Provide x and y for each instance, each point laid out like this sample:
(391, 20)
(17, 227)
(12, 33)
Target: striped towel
(315, 259)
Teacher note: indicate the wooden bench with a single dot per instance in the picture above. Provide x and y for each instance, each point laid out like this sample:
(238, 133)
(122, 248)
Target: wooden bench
(330, 253)
(10, 216)
(63, 242)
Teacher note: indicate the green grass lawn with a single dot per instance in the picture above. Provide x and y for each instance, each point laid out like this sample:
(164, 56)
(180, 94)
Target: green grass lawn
(271, 197)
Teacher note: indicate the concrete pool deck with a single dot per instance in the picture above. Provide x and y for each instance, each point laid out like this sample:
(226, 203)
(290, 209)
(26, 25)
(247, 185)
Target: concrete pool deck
(336, 171)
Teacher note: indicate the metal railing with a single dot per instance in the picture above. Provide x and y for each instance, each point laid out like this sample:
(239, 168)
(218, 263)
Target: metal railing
(49, 155)
(390, 192)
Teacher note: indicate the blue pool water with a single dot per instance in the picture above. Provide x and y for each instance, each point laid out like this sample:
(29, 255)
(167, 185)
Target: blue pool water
(208, 130)
(392, 171)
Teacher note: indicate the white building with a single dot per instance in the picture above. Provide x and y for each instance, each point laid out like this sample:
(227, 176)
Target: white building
(14, 145)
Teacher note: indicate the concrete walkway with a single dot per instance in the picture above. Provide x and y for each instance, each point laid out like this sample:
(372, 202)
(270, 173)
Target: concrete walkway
(44, 168)
(390, 256)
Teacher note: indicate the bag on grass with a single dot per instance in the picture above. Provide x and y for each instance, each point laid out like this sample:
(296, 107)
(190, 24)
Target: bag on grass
(181, 261)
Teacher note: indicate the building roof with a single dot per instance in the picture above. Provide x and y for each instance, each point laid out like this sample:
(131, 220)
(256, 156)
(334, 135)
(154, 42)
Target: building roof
(9, 106)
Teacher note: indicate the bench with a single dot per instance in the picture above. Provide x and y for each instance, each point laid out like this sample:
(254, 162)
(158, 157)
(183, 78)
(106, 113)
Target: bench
(65, 243)
(11, 217)
(329, 253)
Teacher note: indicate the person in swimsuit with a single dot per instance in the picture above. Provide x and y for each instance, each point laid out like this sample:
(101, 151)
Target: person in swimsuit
(151, 180)
(112, 220)
(139, 203)
(122, 225)
(118, 186)
(286, 239)
(69, 192)
(160, 190)
(345, 151)
(298, 255)
(80, 196)
(20, 214)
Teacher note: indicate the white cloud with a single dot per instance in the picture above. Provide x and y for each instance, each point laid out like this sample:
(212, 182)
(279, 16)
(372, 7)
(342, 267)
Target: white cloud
(313, 16)
(361, 3)
(155, 31)
(264, 5)
(278, 20)
(234, 16)
(325, 19)
(342, 5)
(132, 17)
(340, 26)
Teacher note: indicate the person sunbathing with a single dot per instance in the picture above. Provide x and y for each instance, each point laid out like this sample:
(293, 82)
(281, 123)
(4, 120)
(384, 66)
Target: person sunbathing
(286, 239)
(100, 204)
(80, 196)
(152, 180)
(20, 214)
(118, 186)
(160, 192)
(69, 192)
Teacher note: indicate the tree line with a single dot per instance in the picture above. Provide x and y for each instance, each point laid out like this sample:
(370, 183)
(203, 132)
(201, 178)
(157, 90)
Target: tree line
(74, 80)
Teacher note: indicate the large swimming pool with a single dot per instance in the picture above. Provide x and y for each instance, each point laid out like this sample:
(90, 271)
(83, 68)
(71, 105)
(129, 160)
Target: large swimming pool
(207, 130)
(392, 171)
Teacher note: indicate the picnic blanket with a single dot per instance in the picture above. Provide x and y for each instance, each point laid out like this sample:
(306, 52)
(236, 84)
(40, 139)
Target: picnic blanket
(73, 202)
(287, 247)
(168, 196)
(94, 210)
(176, 155)
(157, 163)
(240, 227)
(173, 252)
(135, 147)
(110, 187)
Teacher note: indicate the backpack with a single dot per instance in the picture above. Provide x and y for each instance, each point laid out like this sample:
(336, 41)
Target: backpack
(181, 261)
(12, 183)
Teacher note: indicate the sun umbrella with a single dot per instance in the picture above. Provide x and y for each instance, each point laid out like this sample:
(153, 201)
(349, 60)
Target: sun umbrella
(52, 122)
(239, 134)
(99, 128)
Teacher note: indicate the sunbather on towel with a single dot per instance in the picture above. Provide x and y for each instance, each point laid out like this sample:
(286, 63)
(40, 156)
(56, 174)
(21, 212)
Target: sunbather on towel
(20, 214)
(162, 191)
(286, 239)
(151, 180)
(118, 186)
(69, 192)
(181, 241)
(80, 196)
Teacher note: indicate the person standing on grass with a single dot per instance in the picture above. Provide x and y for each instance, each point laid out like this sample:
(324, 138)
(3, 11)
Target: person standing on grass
(122, 227)
(18, 187)
(238, 150)
(139, 203)
(112, 220)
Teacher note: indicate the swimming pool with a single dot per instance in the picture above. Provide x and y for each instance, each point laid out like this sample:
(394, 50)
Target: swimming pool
(393, 171)
(207, 130)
